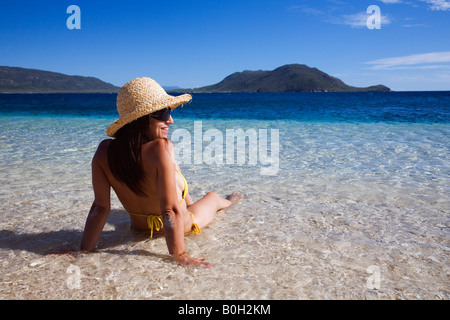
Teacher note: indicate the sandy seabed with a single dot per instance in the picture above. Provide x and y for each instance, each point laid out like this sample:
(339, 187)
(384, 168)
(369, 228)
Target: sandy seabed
(356, 211)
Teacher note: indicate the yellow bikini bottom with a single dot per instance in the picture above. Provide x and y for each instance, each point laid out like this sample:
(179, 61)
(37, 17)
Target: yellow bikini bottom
(154, 222)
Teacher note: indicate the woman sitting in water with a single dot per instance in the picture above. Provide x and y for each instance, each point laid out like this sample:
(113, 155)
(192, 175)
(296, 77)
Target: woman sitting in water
(139, 164)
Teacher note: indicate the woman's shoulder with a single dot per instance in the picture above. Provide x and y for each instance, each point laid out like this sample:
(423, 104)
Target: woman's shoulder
(103, 146)
(159, 145)
(159, 148)
(105, 143)
(102, 149)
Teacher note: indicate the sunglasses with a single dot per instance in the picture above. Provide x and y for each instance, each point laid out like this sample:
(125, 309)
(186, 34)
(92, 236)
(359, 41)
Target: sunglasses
(161, 115)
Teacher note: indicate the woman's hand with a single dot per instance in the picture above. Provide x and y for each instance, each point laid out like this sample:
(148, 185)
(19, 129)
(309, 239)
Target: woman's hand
(184, 260)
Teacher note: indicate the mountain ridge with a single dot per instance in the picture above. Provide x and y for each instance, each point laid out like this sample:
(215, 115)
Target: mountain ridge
(287, 78)
(23, 80)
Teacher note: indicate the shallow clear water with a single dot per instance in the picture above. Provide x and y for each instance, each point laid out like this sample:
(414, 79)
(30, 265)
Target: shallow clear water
(356, 210)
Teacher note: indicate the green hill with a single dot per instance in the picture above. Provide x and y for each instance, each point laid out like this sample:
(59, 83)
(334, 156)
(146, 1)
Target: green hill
(288, 78)
(21, 80)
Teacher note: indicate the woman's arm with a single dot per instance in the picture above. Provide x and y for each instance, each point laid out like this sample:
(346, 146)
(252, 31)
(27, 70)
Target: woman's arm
(173, 219)
(94, 226)
(101, 205)
(188, 198)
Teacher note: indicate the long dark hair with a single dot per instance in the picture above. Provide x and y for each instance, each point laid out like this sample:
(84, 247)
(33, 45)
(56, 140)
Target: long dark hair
(124, 154)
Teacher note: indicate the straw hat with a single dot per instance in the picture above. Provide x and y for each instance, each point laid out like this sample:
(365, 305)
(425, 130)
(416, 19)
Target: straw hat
(140, 97)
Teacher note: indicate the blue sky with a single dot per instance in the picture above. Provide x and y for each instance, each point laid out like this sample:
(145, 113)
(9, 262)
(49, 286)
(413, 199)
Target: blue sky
(196, 43)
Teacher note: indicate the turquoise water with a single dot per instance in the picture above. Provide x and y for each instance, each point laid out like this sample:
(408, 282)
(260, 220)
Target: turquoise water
(362, 184)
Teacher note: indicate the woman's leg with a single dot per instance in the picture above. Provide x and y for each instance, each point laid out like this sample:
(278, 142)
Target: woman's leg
(205, 209)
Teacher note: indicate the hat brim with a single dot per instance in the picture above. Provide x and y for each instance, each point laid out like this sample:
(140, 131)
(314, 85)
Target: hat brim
(170, 102)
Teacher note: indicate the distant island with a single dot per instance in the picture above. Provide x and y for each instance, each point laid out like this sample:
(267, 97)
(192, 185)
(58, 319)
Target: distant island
(21, 80)
(288, 78)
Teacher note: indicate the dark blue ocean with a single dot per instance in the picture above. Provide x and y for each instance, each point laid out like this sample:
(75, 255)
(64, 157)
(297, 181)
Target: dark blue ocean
(407, 107)
(344, 192)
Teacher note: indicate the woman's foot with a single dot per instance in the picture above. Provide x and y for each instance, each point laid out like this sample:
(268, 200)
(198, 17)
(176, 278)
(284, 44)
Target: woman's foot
(235, 197)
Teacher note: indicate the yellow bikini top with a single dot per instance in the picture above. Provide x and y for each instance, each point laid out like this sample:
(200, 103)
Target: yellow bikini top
(186, 188)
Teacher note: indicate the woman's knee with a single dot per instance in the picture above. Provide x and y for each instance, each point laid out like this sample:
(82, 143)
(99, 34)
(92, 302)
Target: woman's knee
(212, 194)
(220, 202)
